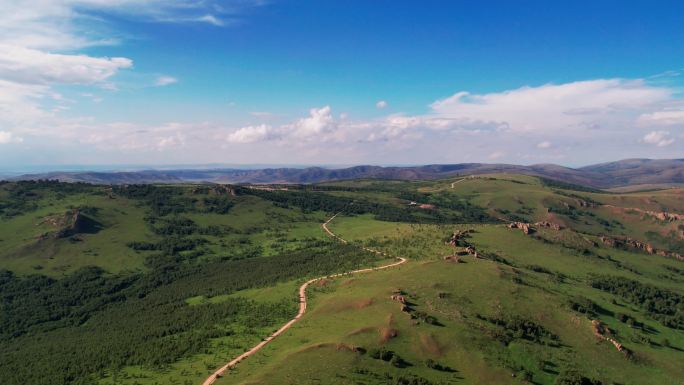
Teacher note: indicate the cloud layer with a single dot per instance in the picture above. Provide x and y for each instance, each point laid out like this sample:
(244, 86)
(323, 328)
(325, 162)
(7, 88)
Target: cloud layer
(42, 50)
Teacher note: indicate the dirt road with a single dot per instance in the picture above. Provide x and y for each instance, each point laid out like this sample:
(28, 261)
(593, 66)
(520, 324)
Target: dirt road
(453, 184)
(302, 305)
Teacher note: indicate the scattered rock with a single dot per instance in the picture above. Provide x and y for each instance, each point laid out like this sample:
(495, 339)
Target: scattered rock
(603, 333)
(398, 297)
(633, 244)
(525, 227)
(549, 225)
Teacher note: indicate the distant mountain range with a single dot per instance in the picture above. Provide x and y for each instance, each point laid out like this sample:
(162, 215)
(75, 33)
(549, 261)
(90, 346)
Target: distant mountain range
(628, 172)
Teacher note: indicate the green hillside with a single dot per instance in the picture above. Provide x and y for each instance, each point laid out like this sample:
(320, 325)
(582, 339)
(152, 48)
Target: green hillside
(147, 284)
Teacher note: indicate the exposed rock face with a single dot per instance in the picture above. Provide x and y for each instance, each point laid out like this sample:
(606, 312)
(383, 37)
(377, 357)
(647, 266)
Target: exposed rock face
(632, 244)
(598, 328)
(549, 225)
(659, 215)
(74, 224)
(610, 242)
(525, 227)
(398, 297)
(665, 216)
(457, 236)
(600, 332)
(68, 224)
(628, 243)
(583, 203)
(471, 250)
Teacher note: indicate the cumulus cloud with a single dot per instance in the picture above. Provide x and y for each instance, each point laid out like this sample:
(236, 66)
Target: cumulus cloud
(596, 117)
(250, 134)
(381, 104)
(658, 138)
(320, 121)
(165, 81)
(319, 124)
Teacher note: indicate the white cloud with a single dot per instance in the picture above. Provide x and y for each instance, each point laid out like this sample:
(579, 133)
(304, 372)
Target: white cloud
(7, 137)
(250, 134)
(39, 50)
(319, 121)
(165, 81)
(545, 144)
(211, 19)
(31, 66)
(381, 104)
(658, 138)
(175, 140)
(75, 24)
(551, 107)
(668, 117)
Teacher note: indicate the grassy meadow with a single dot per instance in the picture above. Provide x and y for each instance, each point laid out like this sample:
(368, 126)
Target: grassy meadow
(163, 284)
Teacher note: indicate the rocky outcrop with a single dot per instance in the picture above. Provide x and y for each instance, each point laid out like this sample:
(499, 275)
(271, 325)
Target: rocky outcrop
(583, 203)
(665, 216)
(603, 333)
(75, 222)
(628, 243)
(633, 244)
(471, 251)
(659, 215)
(549, 225)
(525, 227)
(399, 298)
(458, 236)
(70, 223)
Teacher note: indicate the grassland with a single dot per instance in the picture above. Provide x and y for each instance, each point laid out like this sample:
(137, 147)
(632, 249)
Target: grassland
(356, 313)
(203, 272)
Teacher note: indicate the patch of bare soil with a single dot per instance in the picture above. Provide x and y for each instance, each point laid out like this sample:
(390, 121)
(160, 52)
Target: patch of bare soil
(429, 345)
(387, 334)
(364, 330)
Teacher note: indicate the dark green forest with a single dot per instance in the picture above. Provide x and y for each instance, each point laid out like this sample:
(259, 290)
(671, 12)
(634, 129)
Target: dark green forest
(91, 321)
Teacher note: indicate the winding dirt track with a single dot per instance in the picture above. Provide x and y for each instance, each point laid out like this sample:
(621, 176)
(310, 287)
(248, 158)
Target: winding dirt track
(302, 306)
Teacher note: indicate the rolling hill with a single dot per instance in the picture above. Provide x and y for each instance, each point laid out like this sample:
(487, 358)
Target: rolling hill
(643, 172)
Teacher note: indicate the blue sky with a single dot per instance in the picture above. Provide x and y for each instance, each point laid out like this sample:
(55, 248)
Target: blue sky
(339, 82)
